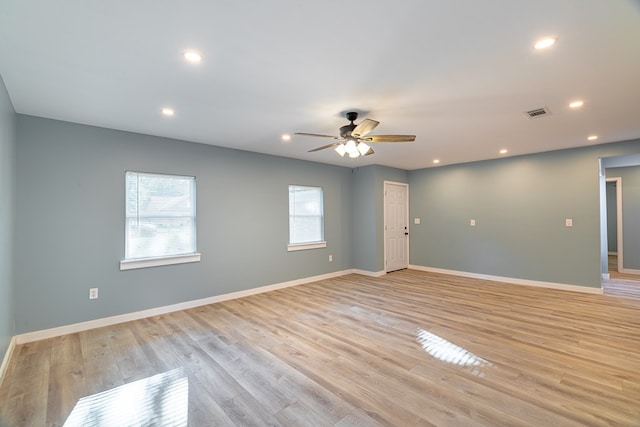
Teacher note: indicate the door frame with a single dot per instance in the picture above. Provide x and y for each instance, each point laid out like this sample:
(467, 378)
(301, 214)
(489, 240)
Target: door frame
(384, 225)
(619, 232)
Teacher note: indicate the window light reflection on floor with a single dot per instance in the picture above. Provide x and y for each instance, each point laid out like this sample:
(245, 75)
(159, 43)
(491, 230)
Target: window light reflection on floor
(448, 352)
(160, 400)
(434, 345)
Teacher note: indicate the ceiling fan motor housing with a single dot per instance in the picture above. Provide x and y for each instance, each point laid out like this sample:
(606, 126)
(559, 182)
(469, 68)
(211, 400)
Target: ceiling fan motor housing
(345, 131)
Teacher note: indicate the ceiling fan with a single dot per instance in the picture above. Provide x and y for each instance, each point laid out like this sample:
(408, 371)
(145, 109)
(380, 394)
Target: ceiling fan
(354, 138)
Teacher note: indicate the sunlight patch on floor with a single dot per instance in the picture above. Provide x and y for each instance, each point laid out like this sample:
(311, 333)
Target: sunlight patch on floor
(160, 400)
(445, 351)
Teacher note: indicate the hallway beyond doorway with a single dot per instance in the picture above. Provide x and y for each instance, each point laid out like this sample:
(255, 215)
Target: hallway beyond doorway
(620, 284)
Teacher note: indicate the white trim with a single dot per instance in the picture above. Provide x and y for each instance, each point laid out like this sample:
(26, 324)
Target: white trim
(130, 264)
(619, 224)
(369, 273)
(121, 318)
(629, 271)
(304, 246)
(606, 276)
(513, 280)
(7, 358)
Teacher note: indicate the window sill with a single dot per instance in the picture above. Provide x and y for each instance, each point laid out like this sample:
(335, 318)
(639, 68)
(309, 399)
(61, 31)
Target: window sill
(130, 264)
(305, 246)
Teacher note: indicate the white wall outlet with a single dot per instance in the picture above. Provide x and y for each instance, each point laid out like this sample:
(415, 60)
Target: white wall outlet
(93, 293)
(568, 222)
(472, 222)
(416, 220)
(330, 258)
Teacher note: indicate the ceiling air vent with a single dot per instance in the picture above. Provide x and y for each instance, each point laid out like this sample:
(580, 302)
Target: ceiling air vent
(538, 112)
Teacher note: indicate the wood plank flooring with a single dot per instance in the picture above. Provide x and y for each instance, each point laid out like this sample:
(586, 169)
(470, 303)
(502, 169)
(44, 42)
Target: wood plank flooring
(407, 349)
(621, 284)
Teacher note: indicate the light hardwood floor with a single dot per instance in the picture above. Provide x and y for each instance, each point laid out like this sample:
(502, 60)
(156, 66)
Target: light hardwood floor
(621, 284)
(362, 351)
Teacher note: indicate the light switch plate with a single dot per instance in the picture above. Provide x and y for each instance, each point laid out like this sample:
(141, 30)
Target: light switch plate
(568, 222)
(472, 222)
(416, 220)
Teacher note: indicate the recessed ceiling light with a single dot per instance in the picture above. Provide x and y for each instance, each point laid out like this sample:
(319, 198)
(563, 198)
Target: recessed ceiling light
(436, 161)
(286, 137)
(576, 104)
(192, 56)
(592, 137)
(168, 111)
(545, 43)
(503, 151)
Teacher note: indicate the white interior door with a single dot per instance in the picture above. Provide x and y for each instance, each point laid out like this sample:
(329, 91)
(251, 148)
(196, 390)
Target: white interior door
(396, 226)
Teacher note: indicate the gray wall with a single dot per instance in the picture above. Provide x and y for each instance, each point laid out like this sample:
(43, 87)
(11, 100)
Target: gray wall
(520, 205)
(630, 214)
(70, 219)
(7, 217)
(368, 214)
(70, 222)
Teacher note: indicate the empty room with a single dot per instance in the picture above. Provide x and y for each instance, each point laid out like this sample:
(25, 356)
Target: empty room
(408, 213)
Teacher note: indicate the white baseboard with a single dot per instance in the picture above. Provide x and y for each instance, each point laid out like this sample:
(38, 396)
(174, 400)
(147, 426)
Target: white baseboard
(7, 358)
(513, 280)
(605, 276)
(121, 318)
(369, 273)
(629, 271)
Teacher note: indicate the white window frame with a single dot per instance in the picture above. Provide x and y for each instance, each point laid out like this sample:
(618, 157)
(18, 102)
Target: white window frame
(300, 246)
(134, 263)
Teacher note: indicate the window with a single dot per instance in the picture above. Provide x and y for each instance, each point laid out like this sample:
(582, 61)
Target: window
(306, 218)
(160, 220)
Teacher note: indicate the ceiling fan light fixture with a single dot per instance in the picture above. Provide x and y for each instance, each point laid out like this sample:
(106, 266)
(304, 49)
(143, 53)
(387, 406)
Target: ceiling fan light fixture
(341, 150)
(354, 154)
(351, 147)
(363, 148)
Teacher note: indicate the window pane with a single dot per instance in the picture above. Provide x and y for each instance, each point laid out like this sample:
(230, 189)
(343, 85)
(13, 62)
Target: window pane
(155, 237)
(160, 213)
(306, 223)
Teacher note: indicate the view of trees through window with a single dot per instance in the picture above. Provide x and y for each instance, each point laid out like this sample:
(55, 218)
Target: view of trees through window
(160, 215)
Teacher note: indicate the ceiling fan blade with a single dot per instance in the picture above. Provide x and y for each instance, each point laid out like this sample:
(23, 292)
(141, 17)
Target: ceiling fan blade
(389, 138)
(333, 144)
(370, 152)
(315, 134)
(365, 126)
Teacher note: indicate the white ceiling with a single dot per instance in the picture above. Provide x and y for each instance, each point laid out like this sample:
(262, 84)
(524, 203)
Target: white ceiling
(459, 74)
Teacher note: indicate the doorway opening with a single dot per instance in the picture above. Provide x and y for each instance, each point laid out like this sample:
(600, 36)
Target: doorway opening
(619, 277)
